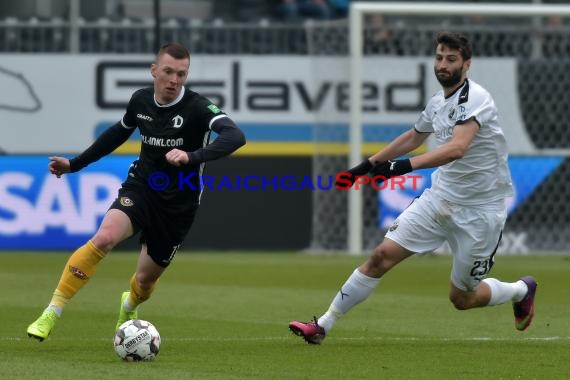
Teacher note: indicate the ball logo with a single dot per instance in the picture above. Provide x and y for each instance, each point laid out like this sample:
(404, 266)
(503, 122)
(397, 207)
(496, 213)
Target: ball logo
(142, 337)
(137, 340)
(126, 201)
(177, 121)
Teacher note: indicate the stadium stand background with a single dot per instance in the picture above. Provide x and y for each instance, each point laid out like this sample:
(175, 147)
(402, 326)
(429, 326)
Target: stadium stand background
(541, 45)
(251, 27)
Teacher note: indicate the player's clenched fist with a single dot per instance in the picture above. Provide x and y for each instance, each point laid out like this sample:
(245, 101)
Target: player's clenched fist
(345, 180)
(379, 172)
(177, 157)
(59, 166)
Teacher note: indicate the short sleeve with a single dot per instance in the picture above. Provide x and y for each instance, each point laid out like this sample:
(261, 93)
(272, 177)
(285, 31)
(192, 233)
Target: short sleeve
(209, 112)
(424, 123)
(479, 107)
(130, 118)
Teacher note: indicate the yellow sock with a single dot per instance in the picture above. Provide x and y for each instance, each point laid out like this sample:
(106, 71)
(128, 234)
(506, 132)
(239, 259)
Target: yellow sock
(80, 267)
(137, 294)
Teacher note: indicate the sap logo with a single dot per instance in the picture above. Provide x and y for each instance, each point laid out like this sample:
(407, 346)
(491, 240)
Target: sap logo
(144, 117)
(33, 204)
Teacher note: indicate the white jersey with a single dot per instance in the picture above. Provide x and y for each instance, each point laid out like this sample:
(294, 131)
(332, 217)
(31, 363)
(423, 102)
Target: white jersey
(482, 175)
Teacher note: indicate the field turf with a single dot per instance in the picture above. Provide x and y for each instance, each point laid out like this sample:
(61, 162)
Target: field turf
(225, 316)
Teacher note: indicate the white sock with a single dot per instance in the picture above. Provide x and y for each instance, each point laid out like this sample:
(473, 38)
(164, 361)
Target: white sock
(502, 292)
(355, 290)
(58, 310)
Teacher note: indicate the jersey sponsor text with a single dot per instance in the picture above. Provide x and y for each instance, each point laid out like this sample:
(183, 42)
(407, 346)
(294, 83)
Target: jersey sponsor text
(162, 142)
(144, 117)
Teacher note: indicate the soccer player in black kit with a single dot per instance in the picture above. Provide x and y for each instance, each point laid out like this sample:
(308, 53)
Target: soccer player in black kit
(175, 125)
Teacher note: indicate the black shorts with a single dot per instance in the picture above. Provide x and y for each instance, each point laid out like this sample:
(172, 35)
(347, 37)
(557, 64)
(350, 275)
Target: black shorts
(162, 231)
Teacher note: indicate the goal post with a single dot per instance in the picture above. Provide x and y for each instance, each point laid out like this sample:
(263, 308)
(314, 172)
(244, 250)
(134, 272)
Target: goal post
(357, 13)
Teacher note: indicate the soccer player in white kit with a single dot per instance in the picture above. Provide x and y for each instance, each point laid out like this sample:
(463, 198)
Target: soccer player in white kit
(465, 206)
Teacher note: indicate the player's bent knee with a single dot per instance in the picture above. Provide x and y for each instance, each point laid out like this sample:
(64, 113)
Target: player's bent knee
(146, 279)
(461, 301)
(105, 239)
(145, 282)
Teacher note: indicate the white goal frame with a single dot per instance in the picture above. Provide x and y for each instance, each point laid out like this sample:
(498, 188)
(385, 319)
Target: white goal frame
(356, 15)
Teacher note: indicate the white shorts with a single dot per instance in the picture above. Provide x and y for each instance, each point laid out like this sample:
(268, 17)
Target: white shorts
(472, 232)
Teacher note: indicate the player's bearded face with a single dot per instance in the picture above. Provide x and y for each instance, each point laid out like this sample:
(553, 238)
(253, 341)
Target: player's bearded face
(169, 77)
(449, 78)
(449, 67)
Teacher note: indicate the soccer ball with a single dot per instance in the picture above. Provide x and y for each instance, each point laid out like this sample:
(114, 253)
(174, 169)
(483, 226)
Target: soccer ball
(137, 340)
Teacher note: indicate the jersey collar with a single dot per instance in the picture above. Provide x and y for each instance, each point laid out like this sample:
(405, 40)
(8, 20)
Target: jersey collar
(182, 91)
(457, 89)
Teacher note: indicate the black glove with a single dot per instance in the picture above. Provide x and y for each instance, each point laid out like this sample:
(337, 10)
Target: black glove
(389, 169)
(345, 180)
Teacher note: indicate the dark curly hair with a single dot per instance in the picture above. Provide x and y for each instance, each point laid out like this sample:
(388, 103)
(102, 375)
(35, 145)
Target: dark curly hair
(456, 41)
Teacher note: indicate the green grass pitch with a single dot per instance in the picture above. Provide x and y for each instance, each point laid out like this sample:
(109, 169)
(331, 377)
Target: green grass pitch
(225, 316)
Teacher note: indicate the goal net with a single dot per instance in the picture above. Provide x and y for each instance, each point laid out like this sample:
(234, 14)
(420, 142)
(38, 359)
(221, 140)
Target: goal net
(382, 59)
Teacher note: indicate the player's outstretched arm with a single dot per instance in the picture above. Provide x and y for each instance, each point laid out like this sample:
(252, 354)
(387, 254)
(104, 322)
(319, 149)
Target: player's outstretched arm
(463, 135)
(378, 164)
(109, 140)
(58, 166)
(403, 144)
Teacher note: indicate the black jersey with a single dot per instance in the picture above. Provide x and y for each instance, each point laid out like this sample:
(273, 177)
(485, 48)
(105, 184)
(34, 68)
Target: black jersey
(185, 124)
